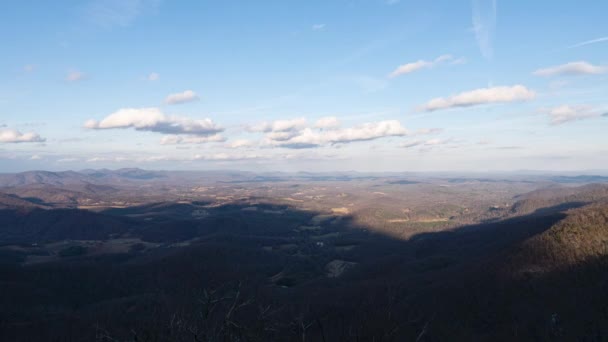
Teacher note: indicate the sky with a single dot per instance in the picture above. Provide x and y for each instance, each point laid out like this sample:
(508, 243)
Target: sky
(304, 85)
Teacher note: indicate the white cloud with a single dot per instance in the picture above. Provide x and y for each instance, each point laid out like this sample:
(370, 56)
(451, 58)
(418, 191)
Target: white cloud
(153, 76)
(75, 76)
(279, 126)
(178, 139)
(367, 131)
(480, 96)
(410, 67)
(573, 68)
(307, 137)
(484, 25)
(35, 157)
(183, 97)
(240, 143)
(423, 64)
(14, 136)
(154, 120)
(318, 27)
(328, 122)
(567, 113)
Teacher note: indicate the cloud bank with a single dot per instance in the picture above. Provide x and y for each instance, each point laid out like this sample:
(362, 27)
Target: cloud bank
(178, 139)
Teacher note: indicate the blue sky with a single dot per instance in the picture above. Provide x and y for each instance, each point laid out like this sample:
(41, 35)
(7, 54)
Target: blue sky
(368, 85)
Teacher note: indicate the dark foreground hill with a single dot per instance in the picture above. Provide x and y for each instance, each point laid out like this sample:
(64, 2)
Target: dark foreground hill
(551, 286)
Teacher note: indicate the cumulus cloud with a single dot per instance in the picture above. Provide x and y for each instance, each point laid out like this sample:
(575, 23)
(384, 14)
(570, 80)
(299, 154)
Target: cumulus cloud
(571, 69)
(484, 25)
(423, 64)
(480, 96)
(75, 76)
(154, 120)
(328, 122)
(566, 113)
(183, 97)
(279, 126)
(309, 137)
(367, 131)
(178, 139)
(14, 136)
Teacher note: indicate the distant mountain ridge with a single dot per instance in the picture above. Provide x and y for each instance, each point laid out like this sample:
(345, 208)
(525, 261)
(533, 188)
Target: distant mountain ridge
(63, 178)
(137, 176)
(563, 197)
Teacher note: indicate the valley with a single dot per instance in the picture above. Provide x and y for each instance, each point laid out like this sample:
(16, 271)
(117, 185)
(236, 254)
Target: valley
(121, 255)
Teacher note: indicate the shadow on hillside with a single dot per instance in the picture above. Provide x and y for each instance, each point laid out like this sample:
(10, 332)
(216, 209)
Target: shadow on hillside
(277, 273)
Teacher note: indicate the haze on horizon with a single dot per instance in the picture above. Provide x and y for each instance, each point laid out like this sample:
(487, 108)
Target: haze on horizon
(370, 85)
